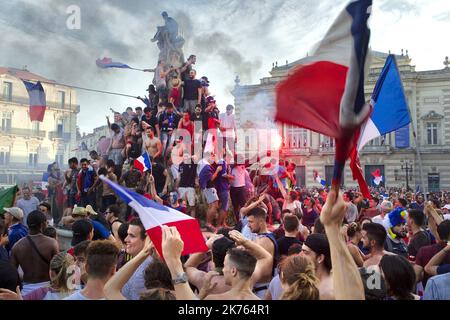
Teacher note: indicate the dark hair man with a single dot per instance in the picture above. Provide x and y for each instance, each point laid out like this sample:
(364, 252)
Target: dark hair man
(34, 252)
(101, 258)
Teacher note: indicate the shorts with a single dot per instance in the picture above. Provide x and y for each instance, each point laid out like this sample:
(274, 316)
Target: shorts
(238, 196)
(210, 195)
(188, 194)
(224, 200)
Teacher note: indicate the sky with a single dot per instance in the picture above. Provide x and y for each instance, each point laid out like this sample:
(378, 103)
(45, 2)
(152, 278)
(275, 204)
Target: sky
(234, 37)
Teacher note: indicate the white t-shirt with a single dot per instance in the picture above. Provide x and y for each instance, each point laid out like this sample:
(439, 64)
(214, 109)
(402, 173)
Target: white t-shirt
(378, 219)
(275, 288)
(227, 121)
(292, 206)
(239, 176)
(446, 216)
(27, 206)
(78, 296)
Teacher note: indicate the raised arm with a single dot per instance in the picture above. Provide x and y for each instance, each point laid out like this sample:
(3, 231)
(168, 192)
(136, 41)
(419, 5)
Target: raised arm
(264, 259)
(347, 281)
(172, 246)
(252, 205)
(438, 258)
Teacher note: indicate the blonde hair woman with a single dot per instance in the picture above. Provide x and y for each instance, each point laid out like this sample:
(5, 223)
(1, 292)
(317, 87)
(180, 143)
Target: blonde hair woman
(298, 279)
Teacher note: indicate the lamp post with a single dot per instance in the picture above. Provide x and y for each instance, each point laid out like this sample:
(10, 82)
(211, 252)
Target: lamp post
(407, 167)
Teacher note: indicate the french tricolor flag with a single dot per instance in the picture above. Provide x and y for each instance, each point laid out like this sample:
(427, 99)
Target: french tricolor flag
(319, 179)
(143, 163)
(377, 177)
(326, 93)
(153, 215)
(37, 100)
(108, 63)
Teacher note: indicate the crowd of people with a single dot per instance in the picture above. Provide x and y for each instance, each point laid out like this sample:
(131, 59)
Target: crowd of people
(267, 237)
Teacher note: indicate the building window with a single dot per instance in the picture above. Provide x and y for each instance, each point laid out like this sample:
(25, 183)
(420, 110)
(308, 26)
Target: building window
(32, 159)
(60, 128)
(296, 137)
(432, 133)
(7, 91)
(379, 141)
(61, 99)
(300, 174)
(4, 158)
(433, 182)
(326, 142)
(6, 121)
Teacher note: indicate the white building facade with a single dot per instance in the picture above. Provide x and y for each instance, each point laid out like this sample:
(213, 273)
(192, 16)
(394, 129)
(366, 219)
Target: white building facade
(423, 147)
(26, 147)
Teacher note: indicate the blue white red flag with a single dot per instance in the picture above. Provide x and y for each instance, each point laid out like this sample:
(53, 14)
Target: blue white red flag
(38, 102)
(318, 178)
(108, 63)
(153, 215)
(377, 177)
(143, 163)
(326, 94)
(390, 108)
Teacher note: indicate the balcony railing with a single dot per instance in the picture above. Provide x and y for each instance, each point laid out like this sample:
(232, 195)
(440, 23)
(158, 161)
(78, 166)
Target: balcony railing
(59, 135)
(23, 132)
(50, 104)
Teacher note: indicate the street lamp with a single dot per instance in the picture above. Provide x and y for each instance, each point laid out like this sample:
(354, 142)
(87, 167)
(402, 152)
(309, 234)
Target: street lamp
(407, 167)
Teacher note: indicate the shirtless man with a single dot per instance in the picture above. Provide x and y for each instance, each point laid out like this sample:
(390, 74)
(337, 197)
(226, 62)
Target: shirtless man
(242, 267)
(373, 237)
(34, 261)
(152, 144)
(257, 224)
(317, 249)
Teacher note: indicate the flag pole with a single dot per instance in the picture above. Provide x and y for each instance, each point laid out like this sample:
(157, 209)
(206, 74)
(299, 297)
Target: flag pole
(83, 88)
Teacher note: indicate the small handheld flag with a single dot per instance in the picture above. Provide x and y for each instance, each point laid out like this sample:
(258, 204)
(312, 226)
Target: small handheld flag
(319, 179)
(153, 215)
(143, 163)
(37, 100)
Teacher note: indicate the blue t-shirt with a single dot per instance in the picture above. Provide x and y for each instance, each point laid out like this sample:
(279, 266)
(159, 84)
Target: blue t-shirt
(204, 178)
(445, 268)
(222, 183)
(16, 232)
(280, 170)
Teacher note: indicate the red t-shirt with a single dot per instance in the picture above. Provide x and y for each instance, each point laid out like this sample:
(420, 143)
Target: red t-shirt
(426, 253)
(175, 94)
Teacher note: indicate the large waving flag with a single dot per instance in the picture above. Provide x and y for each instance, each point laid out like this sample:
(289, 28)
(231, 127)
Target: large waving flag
(154, 215)
(38, 102)
(108, 63)
(390, 111)
(143, 163)
(326, 95)
(318, 178)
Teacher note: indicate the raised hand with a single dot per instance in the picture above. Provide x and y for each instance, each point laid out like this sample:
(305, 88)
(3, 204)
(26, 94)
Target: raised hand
(333, 212)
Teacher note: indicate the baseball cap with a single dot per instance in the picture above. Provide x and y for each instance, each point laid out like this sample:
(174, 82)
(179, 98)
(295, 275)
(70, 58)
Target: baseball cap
(15, 212)
(36, 218)
(210, 99)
